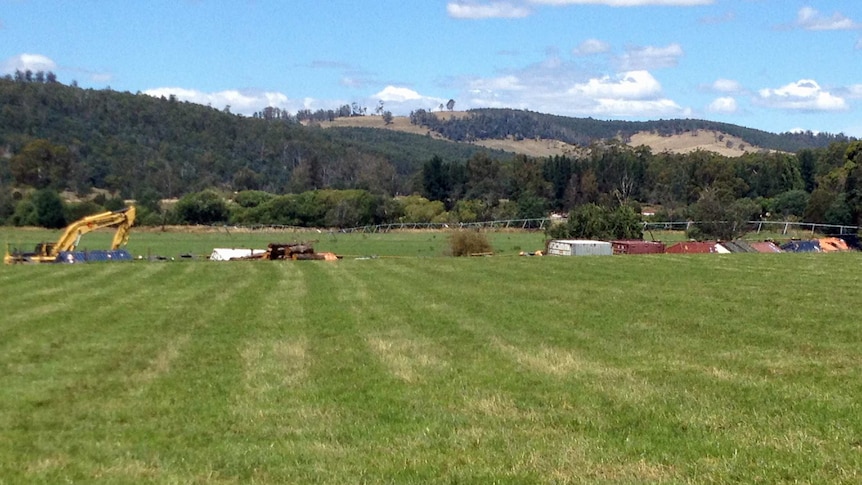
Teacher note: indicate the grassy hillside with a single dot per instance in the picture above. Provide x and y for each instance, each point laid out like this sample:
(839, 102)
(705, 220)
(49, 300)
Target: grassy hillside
(673, 369)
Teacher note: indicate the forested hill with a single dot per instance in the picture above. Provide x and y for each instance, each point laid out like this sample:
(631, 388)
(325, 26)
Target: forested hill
(138, 144)
(484, 124)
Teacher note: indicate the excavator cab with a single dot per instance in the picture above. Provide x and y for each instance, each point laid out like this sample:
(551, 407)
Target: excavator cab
(44, 248)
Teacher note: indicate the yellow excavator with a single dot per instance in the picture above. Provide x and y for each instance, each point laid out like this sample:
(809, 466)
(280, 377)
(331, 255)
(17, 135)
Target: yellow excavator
(49, 252)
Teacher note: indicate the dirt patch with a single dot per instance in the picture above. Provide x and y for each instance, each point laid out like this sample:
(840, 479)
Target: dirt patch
(707, 140)
(711, 141)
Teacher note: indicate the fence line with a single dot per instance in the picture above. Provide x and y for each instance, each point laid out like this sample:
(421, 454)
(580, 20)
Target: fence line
(540, 224)
(759, 226)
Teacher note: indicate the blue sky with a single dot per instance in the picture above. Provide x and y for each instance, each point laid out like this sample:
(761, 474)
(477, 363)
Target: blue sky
(776, 65)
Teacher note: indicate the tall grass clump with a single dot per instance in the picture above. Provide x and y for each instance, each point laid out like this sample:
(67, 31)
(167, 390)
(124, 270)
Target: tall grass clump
(466, 242)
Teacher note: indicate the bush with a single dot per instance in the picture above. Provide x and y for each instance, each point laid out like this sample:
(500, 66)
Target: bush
(49, 209)
(204, 207)
(465, 243)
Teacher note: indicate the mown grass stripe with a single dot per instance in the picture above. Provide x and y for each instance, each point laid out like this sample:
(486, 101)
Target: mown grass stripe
(507, 370)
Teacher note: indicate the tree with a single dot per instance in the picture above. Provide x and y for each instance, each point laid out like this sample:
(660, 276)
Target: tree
(387, 117)
(41, 164)
(722, 217)
(483, 178)
(450, 105)
(790, 203)
(592, 221)
(435, 180)
(853, 182)
(204, 207)
(49, 209)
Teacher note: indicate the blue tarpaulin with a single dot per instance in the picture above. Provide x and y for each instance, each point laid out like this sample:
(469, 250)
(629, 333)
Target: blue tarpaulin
(812, 246)
(102, 255)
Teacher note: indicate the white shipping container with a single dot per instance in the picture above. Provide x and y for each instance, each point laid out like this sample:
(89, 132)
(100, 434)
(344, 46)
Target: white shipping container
(579, 247)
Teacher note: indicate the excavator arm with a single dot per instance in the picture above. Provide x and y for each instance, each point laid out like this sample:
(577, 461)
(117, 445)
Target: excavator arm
(121, 219)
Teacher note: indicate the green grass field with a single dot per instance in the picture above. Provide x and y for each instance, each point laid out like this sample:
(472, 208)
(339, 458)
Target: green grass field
(629, 369)
(152, 242)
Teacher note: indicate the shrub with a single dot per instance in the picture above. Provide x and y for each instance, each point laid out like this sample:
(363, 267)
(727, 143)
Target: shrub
(465, 243)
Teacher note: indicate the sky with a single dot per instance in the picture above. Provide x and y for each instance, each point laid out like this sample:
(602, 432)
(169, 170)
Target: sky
(774, 65)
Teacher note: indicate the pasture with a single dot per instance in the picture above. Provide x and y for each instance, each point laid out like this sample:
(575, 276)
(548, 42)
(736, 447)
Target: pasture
(627, 369)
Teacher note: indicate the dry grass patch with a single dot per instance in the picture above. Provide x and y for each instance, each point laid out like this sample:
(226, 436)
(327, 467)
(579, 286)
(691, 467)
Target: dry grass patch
(407, 359)
(160, 365)
(707, 140)
(274, 364)
(552, 361)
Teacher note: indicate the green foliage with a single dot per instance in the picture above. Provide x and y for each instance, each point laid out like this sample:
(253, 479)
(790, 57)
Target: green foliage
(117, 203)
(25, 213)
(853, 183)
(591, 221)
(419, 209)
(531, 206)
(7, 204)
(78, 210)
(468, 242)
(251, 198)
(204, 207)
(151, 148)
(50, 210)
(720, 216)
(317, 208)
(790, 204)
(41, 164)
(469, 210)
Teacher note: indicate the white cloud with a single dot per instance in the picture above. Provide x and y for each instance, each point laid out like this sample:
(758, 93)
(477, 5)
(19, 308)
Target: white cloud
(650, 57)
(590, 47)
(810, 19)
(724, 105)
(626, 3)
(394, 93)
(855, 91)
(628, 86)
(627, 94)
(804, 95)
(23, 62)
(637, 108)
(401, 100)
(475, 10)
(726, 86)
(502, 83)
(241, 102)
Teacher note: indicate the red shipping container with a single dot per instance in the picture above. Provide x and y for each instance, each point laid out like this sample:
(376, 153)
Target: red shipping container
(636, 246)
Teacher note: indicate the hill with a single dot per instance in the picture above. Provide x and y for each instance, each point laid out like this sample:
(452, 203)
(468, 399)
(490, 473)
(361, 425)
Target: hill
(708, 140)
(136, 144)
(482, 125)
(150, 148)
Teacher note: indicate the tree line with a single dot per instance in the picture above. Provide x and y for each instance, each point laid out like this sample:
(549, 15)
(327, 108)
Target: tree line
(495, 123)
(268, 169)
